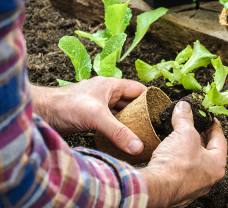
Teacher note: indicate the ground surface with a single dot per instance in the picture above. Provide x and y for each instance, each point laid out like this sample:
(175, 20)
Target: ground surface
(43, 28)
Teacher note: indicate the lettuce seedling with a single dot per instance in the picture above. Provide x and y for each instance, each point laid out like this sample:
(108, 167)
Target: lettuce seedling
(78, 55)
(111, 40)
(180, 71)
(215, 100)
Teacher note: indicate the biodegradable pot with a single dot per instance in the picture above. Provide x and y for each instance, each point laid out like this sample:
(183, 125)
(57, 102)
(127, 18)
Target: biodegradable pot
(223, 19)
(139, 116)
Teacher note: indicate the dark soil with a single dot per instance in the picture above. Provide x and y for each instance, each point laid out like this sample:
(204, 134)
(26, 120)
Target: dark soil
(43, 28)
(202, 118)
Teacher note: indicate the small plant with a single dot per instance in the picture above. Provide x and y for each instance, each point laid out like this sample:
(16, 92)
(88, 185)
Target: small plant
(111, 41)
(180, 72)
(215, 100)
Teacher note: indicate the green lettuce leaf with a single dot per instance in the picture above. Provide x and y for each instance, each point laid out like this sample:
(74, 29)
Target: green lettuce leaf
(99, 37)
(146, 72)
(201, 57)
(111, 2)
(144, 22)
(184, 55)
(117, 18)
(63, 83)
(189, 82)
(221, 73)
(105, 62)
(107, 67)
(78, 55)
(214, 98)
(218, 110)
(115, 43)
(168, 75)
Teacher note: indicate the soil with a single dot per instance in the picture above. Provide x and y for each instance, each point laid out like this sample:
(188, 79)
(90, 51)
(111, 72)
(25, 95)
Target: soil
(202, 118)
(43, 28)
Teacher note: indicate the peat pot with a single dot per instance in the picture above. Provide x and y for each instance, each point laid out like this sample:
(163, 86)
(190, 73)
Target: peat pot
(139, 116)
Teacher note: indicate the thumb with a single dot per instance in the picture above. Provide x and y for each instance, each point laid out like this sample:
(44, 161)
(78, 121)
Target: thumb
(119, 134)
(182, 119)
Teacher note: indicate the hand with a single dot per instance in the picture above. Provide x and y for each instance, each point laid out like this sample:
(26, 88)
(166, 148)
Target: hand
(87, 105)
(185, 166)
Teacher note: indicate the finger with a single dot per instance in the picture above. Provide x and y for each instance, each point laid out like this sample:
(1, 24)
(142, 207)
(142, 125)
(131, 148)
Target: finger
(119, 134)
(129, 89)
(182, 119)
(216, 140)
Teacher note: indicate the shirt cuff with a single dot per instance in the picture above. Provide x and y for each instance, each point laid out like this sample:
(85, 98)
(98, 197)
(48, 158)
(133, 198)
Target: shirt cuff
(133, 189)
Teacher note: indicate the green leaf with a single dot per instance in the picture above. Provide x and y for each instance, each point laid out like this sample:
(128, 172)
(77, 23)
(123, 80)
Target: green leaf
(146, 72)
(78, 55)
(105, 62)
(201, 57)
(224, 3)
(168, 75)
(99, 37)
(189, 82)
(63, 83)
(110, 2)
(202, 113)
(214, 97)
(144, 22)
(221, 73)
(184, 55)
(166, 65)
(107, 67)
(117, 18)
(219, 110)
(115, 43)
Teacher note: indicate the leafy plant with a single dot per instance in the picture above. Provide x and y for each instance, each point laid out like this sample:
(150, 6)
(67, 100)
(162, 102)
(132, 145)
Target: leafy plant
(215, 100)
(180, 71)
(111, 40)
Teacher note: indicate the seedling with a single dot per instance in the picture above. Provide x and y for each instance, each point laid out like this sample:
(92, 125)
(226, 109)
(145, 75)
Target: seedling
(215, 100)
(206, 102)
(111, 40)
(180, 71)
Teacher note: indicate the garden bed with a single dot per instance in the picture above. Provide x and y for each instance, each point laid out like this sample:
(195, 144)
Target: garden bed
(43, 28)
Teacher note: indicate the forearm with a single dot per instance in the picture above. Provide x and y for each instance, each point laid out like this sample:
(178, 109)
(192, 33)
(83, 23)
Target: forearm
(158, 187)
(38, 168)
(42, 101)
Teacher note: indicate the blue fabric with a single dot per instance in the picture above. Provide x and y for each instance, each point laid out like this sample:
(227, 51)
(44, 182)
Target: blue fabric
(10, 98)
(9, 5)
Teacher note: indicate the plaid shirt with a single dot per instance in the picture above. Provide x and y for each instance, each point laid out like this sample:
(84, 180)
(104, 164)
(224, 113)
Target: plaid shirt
(37, 168)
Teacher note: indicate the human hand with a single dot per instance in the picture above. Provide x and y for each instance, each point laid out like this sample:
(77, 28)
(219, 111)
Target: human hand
(185, 166)
(88, 105)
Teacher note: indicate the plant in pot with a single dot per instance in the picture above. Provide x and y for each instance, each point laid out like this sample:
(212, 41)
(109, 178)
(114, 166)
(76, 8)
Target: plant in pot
(149, 116)
(206, 102)
(111, 41)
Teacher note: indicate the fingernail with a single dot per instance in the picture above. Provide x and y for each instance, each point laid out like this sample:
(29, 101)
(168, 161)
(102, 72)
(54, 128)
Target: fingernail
(183, 106)
(135, 146)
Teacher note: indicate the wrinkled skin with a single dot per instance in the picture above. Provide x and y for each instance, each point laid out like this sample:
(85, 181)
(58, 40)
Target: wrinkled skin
(183, 167)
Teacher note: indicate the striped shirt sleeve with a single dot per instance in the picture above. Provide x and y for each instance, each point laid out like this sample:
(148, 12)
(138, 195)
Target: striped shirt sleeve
(37, 168)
